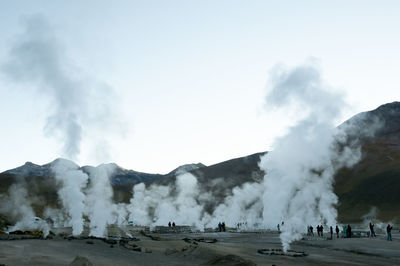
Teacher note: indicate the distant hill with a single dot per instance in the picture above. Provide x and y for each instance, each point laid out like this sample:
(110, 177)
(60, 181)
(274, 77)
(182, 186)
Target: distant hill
(374, 181)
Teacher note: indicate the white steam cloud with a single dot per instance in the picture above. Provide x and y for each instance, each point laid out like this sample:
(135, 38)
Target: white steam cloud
(159, 205)
(298, 186)
(100, 208)
(77, 103)
(73, 180)
(18, 206)
(300, 170)
(79, 106)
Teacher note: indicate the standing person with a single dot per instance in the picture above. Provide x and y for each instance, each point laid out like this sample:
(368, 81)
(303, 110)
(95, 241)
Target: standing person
(331, 231)
(220, 226)
(344, 231)
(348, 231)
(371, 228)
(279, 229)
(312, 230)
(389, 232)
(318, 230)
(337, 231)
(169, 224)
(322, 230)
(173, 224)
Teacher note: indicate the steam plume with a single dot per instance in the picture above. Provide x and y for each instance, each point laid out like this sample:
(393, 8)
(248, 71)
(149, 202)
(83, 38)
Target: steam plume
(298, 185)
(38, 59)
(99, 201)
(73, 181)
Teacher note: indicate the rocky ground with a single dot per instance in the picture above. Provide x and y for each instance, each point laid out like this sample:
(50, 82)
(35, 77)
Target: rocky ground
(137, 246)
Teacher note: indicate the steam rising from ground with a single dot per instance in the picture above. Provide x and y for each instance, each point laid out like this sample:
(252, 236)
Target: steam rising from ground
(18, 206)
(73, 181)
(100, 208)
(300, 169)
(298, 186)
(159, 205)
(296, 189)
(77, 106)
(38, 60)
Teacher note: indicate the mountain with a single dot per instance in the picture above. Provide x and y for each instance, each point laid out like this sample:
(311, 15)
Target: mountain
(373, 182)
(375, 179)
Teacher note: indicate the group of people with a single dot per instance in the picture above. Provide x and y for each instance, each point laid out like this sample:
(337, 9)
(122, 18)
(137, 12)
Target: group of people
(240, 225)
(221, 226)
(347, 231)
(169, 224)
(388, 231)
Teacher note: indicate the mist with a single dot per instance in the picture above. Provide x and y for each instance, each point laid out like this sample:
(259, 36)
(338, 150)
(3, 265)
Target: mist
(77, 104)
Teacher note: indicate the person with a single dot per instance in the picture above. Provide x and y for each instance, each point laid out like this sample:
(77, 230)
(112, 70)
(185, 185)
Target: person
(223, 226)
(348, 231)
(173, 224)
(337, 231)
(331, 231)
(279, 229)
(318, 230)
(389, 232)
(220, 226)
(169, 224)
(371, 228)
(344, 231)
(321, 228)
(312, 230)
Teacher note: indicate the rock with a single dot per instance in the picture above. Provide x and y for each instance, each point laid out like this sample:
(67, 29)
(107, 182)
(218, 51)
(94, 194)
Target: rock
(110, 241)
(138, 249)
(230, 260)
(132, 243)
(80, 261)
(170, 251)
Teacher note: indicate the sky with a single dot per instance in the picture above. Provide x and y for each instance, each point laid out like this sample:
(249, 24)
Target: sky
(158, 84)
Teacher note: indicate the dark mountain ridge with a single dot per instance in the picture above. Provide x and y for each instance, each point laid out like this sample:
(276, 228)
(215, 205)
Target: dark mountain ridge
(372, 182)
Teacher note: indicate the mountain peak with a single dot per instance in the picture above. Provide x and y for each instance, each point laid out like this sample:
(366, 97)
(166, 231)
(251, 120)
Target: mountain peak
(185, 168)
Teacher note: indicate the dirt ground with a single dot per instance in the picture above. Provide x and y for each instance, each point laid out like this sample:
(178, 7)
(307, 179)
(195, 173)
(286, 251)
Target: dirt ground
(199, 249)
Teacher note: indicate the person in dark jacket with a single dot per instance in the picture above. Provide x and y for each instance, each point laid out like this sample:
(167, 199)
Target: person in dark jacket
(389, 232)
(348, 231)
(337, 231)
(331, 231)
(371, 229)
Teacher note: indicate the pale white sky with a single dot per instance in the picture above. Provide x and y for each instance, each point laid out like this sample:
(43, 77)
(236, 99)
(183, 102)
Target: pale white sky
(191, 76)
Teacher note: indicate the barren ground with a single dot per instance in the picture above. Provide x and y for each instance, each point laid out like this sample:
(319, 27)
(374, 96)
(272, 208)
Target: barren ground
(197, 249)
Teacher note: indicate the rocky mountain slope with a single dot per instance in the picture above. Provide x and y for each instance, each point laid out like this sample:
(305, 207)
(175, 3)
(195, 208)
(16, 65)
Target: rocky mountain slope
(373, 182)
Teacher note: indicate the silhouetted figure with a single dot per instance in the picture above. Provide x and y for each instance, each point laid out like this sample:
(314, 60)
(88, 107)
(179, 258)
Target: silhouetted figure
(337, 231)
(223, 226)
(348, 231)
(220, 226)
(389, 232)
(321, 228)
(169, 224)
(311, 230)
(173, 224)
(318, 230)
(279, 229)
(371, 228)
(344, 231)
(331, 231)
